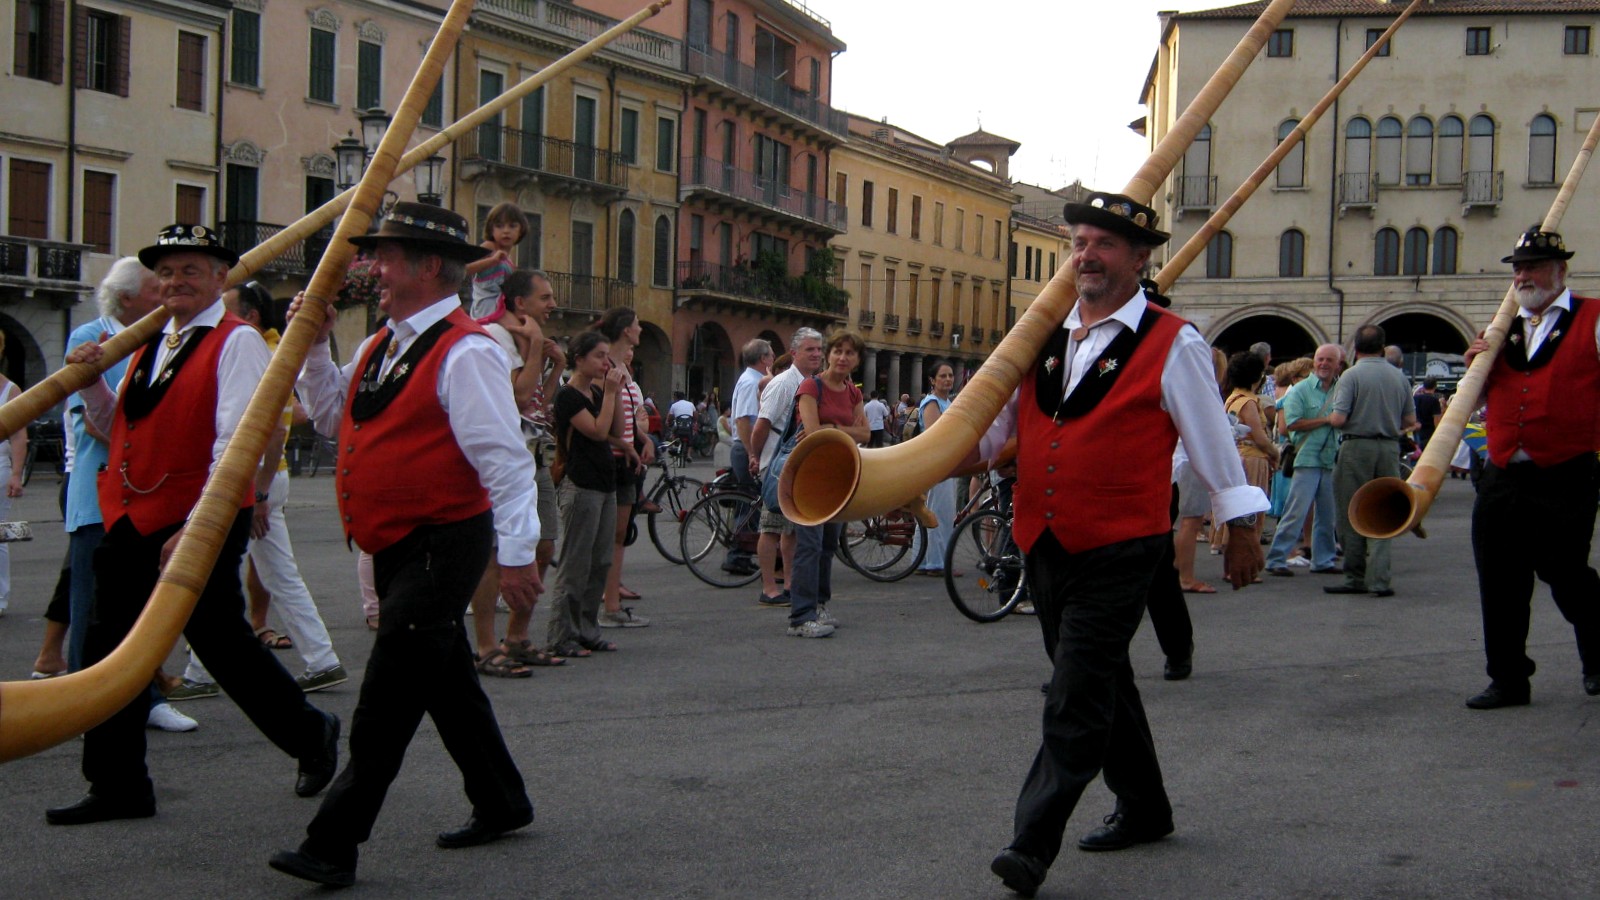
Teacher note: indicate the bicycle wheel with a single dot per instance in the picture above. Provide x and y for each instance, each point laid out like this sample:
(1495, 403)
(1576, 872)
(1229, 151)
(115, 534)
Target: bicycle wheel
(711, 530)
(992, 578)
(884, 548)
(674, 494)
(28, 458)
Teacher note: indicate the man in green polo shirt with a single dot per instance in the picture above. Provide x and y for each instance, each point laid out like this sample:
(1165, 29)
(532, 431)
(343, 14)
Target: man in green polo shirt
(1305, 410)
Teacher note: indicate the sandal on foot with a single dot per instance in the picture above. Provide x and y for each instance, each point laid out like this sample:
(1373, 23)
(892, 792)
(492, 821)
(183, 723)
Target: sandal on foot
(500, 665)
(526, 653)
(627, 593)
(372, 623)
(598, 646)
(568, 649)
(274, 641)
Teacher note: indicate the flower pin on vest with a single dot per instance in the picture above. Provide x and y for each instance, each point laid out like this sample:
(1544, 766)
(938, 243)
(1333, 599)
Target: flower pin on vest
(1107, 366)
(1516, 339)
(1050, 364)
(401, 370)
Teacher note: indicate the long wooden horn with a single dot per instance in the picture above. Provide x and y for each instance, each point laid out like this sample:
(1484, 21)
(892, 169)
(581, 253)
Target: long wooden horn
(1389, 507)
(33, 402)
(827, 477)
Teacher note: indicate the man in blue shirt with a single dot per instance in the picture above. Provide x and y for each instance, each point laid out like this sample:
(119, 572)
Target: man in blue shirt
(1305, 409)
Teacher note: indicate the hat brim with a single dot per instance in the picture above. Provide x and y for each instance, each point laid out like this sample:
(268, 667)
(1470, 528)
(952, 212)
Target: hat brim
(1084, 214)
(1519, 256)
(149, 256)
(456, 250)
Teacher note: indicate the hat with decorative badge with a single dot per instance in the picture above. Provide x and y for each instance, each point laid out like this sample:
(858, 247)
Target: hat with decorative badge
(1115, 212)
(187, 239)
(430, 228)
(1535, 245)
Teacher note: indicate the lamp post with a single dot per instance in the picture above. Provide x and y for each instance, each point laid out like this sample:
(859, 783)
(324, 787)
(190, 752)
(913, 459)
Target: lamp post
(352, 155)
(430, 180)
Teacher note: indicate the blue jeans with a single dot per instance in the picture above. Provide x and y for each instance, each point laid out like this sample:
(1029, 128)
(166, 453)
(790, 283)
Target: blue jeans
(81, 544)
(811, 582)
(1310, 490)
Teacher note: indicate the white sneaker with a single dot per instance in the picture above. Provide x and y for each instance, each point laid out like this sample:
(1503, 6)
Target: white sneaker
(164, 718)
(810, 630)
(826, 618)
(1299, 562)
(623, 618)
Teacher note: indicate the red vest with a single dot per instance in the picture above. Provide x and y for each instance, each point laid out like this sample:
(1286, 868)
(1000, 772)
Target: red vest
(1106, 475)
(402, 467)
(159, 464)
(1553, 411)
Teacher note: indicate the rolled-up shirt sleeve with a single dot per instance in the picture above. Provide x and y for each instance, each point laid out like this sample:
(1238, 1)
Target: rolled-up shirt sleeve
(1000, 430)
(475, 390)
(1189, 393)
(240, 366)
(323, 386)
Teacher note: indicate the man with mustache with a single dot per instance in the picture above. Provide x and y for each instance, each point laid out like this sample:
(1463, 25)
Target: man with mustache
(1534, 514)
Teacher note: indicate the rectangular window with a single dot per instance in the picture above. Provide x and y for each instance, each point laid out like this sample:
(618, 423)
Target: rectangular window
(933, 303)
(666, 144)
(533, 130)
(531, 250)
(916, 218)
(369, 75)
(29, 211)
(99, 50)
(630, 137)
(961, 226)
(1373, 34)
(893, 222)
(39, 29)
(841, 189)
(1478, 42)
(1281, 43)
(244, 62)
(242, 200)
(490, 84)
(911, 300)
(865, 295)
(977, 238)
(1052, 270)
(433, 113)
(1576, 41)
(319, 190)
(191, 71)
(889, 276)
(866, 203)
(938, 224)
(99, 210)
(189, 204)
(320, 83)
(1012, 262)
(994, 245)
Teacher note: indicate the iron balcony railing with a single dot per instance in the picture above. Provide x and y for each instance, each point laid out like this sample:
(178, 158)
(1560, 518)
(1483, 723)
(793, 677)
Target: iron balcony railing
(241, 236)
(713, 175)
(891, 322)
(727, 70)
(698, 276)
(913, 325)
(1358, 189)
(40, 262)
(936, 328)
(867, 318)
(996, 336)
(1195, 192)
(534, 152)
(1483, 188)
(977, 336)
(589, 293)
(582, 25)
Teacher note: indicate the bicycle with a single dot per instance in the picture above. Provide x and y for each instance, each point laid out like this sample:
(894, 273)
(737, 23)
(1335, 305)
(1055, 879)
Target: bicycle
(993, 577)
(885, 547)
(720, 523)
(46, 435)
(666, 506)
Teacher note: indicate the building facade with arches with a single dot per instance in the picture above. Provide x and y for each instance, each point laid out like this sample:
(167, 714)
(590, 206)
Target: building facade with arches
(1398, 206)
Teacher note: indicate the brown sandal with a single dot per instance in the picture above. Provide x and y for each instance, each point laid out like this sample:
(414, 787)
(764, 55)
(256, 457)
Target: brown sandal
(498, 664)
(274, 641)
(526, 653)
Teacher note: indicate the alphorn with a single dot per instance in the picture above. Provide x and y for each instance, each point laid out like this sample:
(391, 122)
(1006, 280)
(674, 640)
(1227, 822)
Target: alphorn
(35, 715)
(1389, 507)
(829, 478)
(33, 402)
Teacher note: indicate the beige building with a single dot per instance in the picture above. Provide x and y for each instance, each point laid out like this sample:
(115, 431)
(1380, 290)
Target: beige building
(1397, 209)
(1040, 243)
(110, 132)
(924, 260)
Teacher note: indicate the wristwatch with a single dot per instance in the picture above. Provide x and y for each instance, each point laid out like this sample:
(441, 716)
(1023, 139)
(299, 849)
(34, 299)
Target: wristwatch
(1245, 521)
(261, 497)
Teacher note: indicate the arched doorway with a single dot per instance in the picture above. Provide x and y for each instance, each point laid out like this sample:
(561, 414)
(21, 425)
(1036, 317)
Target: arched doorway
(710, 362)
(22, 363)
(1289, 340)
(1419, 332)
(652, 363)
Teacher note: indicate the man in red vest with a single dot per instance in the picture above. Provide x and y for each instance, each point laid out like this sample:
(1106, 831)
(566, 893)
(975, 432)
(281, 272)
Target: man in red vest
(180, 402)
(432, 469)
(1534, 514)
(1096, 421)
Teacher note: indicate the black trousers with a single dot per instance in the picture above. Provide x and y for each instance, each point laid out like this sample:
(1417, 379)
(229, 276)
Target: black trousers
(126, 567)
(1535, 522)
(1169, 611)
(1090, 604)
(421, 663)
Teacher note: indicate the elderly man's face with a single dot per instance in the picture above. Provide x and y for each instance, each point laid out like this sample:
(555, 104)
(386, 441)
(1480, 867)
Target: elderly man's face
(1326, 362)
(137, 306)
(397, 278)
(808, 356)
(1107, 263)
(190, 283)
(1538, 283)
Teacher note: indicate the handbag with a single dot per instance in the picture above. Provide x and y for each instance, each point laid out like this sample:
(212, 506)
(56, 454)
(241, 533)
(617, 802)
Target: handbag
(791, 437)
(1286, 459)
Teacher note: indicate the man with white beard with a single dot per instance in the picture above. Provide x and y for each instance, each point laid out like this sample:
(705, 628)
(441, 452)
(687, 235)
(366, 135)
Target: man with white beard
(1534, 513)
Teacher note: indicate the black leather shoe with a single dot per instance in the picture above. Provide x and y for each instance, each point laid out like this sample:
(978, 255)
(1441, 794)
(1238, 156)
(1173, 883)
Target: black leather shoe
(1178, 669)
(1120, 833)
(1330, 570)
(1019, 871)
(303, 865)
(479, 831)
(1343, 589)
(317, 769)
(1494, 697)
(1281, 571)
(1386, 592)
(94, 808)
(1591, 685)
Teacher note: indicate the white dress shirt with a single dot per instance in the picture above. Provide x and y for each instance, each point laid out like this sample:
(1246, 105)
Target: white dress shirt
(474, 388)
(1189, 394)
(243, 361)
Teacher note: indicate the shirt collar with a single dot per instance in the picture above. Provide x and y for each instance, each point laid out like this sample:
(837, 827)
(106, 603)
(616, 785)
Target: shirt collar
(1564, 301)
(209, 317)
(1128, 314)
(426, 318)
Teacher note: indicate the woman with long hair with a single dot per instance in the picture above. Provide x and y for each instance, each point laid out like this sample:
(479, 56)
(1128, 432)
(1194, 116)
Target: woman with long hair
(631, 452)
(942, 496)
(1259, 455)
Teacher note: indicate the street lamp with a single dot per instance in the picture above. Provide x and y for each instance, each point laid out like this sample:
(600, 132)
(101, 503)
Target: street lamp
(374, 122)
(351, 161)
(430, 180)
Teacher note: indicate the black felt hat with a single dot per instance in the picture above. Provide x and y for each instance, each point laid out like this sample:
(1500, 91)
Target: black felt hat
(187, 239)
(1115, 212)
(1535, 245)
(427, 227)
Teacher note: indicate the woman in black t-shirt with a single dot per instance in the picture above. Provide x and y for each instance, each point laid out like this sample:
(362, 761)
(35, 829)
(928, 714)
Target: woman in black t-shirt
(587, 415)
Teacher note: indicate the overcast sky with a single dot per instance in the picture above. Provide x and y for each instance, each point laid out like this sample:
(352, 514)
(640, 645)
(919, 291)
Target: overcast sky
(1062, 77)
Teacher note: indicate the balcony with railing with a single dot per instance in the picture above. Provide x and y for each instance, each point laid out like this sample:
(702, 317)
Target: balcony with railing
(936, 328)
(582, 25)
(588, 293)
(996, 335)
(1482, 189)
(300, 258)
(742, 288)
(717, 69)
(1358, 190)
(565, 167)
(977, 336)
(714, 179)
(867, 318)
(1197, 193)
(913, 325)
(35, 264)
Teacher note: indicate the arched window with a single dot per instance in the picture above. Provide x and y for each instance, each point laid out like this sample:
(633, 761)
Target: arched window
(1444, 251)
(1416, 259)
(1389, 132)
(1386, 252)
(1450, 147)
(1480, 144)
(626, 226)
(1219, 256)
(1358, 146)
(1292, 170)
(1292, 254)
(662, 274)
(1542, 150)
(1419, 151)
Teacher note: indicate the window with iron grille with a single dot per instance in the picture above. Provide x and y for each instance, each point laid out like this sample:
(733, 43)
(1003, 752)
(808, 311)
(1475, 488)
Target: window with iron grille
(244, 65)
(320, 82)
(191, 71)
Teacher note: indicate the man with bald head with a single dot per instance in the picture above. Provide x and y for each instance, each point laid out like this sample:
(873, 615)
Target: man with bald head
(1305, 410)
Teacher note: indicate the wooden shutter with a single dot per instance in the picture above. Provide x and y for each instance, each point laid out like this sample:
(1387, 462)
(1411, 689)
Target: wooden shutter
(99, 189)
(29, 215)
(19, 40)
(119, 65)
(190, 204)
(55, 38)
(191, 71)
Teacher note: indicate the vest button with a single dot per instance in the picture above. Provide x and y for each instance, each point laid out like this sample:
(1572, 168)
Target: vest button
(1049, 515)
(350, 449)
(1049, 469)
(1049, 492)
(124, 501)
(344, 471)
(356, 427)
(345, 495)
(126, 445)
(346, 518)
(1055, 445)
